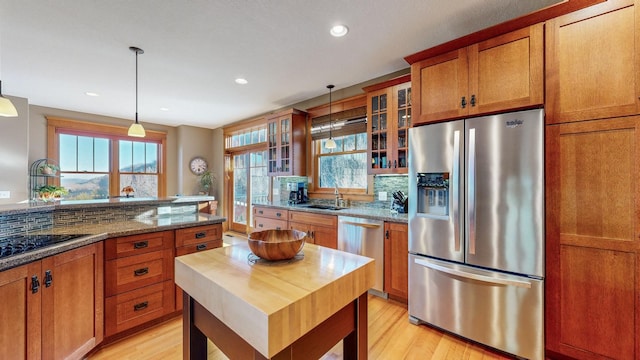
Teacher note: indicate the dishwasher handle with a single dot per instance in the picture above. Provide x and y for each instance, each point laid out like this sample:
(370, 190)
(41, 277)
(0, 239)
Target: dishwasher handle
(364, 225)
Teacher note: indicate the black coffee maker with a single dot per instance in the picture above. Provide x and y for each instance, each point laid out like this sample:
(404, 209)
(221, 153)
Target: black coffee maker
(297, 196)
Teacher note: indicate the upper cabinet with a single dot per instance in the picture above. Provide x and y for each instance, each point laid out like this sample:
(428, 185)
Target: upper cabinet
(286, 143)
(388, 122)
(592, 63)
(502, 73)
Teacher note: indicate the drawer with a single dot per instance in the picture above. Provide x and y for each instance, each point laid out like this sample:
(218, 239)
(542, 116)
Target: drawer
(271, 213)
(133, 272)
(198, 235)
(314, 219)
(138, 244)
(261, 223)
(134, 308)
(206, 245)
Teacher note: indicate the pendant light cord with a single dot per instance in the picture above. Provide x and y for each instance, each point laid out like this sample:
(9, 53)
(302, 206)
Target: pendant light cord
(330, 124)
(136, 86)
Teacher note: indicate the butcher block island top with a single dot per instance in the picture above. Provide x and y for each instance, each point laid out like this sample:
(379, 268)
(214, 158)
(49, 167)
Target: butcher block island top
(272, 304)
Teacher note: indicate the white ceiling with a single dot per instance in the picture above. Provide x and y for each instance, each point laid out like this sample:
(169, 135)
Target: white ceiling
(53, 51)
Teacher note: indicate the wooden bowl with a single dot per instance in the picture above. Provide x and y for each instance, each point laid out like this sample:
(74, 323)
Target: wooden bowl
(276, 244)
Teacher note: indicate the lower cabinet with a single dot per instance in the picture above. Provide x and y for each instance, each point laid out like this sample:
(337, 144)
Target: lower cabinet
(269, 218)
(196, 239)
(139, 283)
(321, 229)
(396, 255)
(53, 308)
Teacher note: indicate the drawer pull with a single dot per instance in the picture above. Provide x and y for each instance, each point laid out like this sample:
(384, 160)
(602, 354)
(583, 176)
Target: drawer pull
(140, 244)
(200, 247)
(259, 225)
(201, 234)
(260, 212)
(140, 272)
(278, 214)
(141, 306)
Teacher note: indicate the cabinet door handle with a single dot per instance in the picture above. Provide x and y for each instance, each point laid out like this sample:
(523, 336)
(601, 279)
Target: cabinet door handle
(201, 234)
(395, 164)
(386, 234)
(140, 244)
(473, 100)
(140, 306)
(463, 102)
(389, 164)
(201, 247)
(141, 272)
(35, 284)
(48, 278)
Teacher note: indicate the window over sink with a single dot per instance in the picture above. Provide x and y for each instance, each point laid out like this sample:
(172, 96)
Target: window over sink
(345, 166)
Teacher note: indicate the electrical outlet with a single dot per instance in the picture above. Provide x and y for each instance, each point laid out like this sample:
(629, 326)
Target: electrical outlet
(5, 194)
(382, 196)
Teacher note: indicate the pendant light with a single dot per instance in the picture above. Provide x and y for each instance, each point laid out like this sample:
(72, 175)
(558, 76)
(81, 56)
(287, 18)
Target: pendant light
(136, 129)
(330, 144)
(6, 106)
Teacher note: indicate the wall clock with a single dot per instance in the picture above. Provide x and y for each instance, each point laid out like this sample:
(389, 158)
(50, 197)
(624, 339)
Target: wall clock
(198, 165)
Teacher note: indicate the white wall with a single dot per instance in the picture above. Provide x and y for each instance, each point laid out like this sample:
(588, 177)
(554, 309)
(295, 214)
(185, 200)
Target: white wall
(14, 165)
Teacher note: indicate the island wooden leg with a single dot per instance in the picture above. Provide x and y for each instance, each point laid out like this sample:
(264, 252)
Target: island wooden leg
(194, 342)
(355, 345)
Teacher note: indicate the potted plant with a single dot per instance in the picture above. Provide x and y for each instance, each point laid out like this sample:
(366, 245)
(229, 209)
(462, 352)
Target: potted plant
(48, 169)
(207, 179)
(51, 192)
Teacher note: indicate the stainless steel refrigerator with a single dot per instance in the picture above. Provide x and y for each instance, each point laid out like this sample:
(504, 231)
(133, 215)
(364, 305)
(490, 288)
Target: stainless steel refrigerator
(476, 229)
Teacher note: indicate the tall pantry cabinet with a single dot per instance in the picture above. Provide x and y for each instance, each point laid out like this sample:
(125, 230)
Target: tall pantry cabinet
(593, 195)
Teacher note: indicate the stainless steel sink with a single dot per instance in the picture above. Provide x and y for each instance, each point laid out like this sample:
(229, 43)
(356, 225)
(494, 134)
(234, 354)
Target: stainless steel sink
(323, 207)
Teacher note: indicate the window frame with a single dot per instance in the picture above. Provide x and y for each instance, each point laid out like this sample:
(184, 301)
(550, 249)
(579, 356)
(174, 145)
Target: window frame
(317, 192)
(114, 133)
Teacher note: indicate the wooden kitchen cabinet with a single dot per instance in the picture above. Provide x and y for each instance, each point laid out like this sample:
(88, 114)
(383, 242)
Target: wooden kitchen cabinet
(592, 239)
(388, 123)
(286, 143)
(59, 318)
(138, 280)
(265, 218)
(502, 73)
(396, 256)
(592, 63)
(194, 239)
(20, 328)
(321, 229)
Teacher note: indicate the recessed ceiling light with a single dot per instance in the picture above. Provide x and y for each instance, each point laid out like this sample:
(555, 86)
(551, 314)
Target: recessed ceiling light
(89, 93)
(241, 81)
(339, 30)
(164, 109)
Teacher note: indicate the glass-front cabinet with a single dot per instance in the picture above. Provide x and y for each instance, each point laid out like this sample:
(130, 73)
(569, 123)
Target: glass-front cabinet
(389, 119)
(286, 149)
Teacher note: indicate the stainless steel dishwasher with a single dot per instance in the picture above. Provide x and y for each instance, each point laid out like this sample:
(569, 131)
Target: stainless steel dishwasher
(364, 237)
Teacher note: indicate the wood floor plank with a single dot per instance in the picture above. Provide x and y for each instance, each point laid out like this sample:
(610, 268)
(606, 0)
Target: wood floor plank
(391, 336)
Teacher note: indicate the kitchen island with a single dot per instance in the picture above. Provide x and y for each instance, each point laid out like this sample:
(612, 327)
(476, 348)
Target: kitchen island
(296, 309)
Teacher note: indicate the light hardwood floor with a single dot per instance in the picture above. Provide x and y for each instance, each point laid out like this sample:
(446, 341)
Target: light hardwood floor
(391, 336)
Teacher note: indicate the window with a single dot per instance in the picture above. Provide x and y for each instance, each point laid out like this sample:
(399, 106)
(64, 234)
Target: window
(97, 161)
(346, 165)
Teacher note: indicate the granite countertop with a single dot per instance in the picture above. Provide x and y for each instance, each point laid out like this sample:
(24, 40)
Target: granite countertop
(97, 232)
(367, 213)
(31, 206)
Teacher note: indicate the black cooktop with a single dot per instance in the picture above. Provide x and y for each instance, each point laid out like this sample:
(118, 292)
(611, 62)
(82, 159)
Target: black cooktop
(24, 243)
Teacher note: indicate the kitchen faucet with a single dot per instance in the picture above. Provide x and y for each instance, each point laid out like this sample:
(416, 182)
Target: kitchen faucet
(336, 192)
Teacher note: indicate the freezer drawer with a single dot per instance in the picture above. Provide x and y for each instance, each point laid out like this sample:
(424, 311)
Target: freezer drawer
(500, 310)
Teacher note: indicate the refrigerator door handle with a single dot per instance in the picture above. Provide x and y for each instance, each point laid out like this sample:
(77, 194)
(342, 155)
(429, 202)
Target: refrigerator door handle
(455, 191)
(471, 188)
(477, 277)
